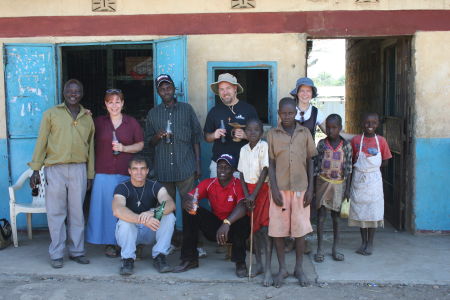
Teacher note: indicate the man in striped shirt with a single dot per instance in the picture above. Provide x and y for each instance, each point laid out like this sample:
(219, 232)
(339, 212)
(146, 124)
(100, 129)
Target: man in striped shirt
(177, 154)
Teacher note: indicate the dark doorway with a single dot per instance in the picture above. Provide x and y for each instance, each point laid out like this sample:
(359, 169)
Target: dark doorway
(125, 67)
(379, 77)
(256, 88)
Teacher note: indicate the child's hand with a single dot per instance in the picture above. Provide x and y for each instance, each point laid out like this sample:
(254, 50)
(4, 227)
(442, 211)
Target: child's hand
(308, 197)
(277, 198)
(250, 202)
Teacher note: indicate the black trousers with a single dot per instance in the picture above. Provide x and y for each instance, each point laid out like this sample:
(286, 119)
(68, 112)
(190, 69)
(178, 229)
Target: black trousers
(208, 223)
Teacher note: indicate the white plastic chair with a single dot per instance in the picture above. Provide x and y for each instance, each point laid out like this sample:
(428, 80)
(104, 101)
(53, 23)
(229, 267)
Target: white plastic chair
(35, 207)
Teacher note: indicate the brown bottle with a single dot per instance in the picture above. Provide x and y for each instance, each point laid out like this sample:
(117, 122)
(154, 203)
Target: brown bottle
(193, 211)
(115, 141)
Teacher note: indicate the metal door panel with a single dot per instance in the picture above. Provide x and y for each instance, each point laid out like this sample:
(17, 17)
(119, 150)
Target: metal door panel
(171, 58)
(30, 90)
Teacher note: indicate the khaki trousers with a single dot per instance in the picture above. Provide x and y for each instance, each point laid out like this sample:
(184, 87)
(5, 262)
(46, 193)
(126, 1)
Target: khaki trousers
(64, 197)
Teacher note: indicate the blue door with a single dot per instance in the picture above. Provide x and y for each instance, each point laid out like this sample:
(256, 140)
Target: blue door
(171, 58)
(30, 90)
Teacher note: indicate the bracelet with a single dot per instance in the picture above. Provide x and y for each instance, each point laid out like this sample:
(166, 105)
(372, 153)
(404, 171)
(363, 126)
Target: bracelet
(226, 221)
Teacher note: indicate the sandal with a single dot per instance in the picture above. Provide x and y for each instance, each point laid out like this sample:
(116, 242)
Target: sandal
(319, 257)
(111, 251)
(338, 256)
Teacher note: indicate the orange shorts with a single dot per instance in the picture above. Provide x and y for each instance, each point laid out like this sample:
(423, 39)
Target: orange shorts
(290, 220)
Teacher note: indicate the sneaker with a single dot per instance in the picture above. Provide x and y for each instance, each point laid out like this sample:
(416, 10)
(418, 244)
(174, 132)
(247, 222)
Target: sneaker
(57, 263)
(127, 267)
(202, 253)
(161, 264)
(80, 259)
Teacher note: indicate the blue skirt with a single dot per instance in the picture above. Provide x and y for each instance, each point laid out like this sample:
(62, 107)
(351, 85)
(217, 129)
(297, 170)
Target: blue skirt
(101, 224)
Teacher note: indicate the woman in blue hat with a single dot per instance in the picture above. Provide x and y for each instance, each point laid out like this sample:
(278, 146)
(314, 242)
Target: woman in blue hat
(307, 114)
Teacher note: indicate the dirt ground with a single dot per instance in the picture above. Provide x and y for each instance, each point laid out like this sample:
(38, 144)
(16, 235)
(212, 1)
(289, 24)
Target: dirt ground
(26, 288)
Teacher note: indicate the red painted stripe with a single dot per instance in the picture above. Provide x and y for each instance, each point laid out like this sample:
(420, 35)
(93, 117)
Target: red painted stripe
(314, 23)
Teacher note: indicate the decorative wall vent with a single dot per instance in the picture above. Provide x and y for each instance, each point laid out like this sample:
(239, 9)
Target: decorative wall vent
(104, 5)
(236, 4)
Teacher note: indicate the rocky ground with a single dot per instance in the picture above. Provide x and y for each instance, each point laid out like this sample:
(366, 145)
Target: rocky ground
(34, 288)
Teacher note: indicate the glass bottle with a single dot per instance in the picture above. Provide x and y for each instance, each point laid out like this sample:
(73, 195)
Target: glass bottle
(35, 191)
(159, 212)
(169, 134)
(193, 211)
(222, 126)
(115, 141)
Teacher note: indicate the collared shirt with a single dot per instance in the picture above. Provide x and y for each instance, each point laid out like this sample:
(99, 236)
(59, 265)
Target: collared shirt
(175, 161)
(222, 199)
(327, 153)
(291, 154)
(128, 133)
(240, 113)
(253, 161)
(320, 115)
(63, 140)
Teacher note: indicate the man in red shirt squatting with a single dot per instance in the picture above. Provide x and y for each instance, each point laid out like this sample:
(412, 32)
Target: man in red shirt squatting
(226, 222)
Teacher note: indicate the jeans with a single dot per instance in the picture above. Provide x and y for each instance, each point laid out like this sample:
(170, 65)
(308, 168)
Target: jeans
(129, 235)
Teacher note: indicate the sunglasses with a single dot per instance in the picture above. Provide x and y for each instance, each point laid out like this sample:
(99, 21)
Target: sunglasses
(109, 91)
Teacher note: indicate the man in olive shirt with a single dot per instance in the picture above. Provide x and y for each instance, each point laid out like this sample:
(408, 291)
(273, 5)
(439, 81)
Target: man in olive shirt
(65, 146)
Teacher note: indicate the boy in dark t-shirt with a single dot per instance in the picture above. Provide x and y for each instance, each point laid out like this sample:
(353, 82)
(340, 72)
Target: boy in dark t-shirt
(133, 204)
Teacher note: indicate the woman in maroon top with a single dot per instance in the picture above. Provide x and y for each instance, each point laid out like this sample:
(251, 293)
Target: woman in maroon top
(117, 137)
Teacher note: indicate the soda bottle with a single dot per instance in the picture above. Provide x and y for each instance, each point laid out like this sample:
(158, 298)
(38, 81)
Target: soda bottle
(159, 212)
(115, 141)
(222, 126)
(169, 134)
(193, 211)
(35, 191)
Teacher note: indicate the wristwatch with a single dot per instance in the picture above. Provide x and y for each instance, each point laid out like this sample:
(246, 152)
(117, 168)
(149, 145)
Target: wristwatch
(226, 221)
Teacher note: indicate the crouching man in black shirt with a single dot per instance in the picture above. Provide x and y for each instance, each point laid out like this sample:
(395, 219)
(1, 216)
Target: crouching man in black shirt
(133, 204)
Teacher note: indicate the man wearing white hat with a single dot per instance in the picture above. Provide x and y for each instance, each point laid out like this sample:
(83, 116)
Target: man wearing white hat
(231, 110)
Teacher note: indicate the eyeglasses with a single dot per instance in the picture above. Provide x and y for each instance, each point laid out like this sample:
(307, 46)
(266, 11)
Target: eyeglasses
(302, 117)
(109, 91)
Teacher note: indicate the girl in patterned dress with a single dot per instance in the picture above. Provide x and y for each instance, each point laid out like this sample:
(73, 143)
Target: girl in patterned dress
(333, 165)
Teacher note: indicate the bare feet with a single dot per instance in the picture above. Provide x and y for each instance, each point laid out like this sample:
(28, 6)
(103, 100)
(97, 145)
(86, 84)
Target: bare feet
(257, 270)
(361, 250)
(369, 249)
(300, 275)
(337, 256)
(268, 280)
(279, 279)
(319, 257)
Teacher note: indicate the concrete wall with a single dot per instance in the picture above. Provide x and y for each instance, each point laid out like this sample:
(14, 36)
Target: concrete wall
(130, 7)
(432, 145)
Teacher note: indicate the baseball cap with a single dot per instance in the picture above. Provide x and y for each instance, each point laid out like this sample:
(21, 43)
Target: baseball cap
(229, 159)
(163, 78)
